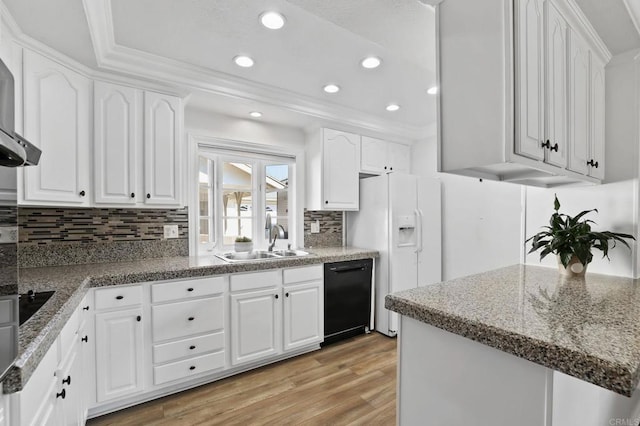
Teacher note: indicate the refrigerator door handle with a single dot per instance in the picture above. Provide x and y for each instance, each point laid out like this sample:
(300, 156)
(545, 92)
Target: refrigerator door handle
(419, 217)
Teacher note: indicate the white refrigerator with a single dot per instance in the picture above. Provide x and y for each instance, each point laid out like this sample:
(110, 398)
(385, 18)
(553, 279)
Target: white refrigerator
(400, 216)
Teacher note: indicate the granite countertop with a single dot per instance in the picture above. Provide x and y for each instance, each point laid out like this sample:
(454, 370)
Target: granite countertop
(72, 282)
(588, 328)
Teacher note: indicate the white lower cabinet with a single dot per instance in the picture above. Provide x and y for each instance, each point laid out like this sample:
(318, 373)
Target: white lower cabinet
(128, 344)
(255, 325)
(119, 344)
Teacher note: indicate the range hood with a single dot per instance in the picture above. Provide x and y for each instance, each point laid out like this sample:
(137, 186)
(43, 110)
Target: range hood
(15, 151)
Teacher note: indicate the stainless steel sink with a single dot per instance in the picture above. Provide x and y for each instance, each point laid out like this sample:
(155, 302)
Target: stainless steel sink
(290, 253)
(259, 255)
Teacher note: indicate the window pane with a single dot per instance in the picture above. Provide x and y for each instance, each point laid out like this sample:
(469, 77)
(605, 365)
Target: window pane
(205, 200)
(237, 176)
(236, 203)
(204, 231)
(277, 194)
(237, 227)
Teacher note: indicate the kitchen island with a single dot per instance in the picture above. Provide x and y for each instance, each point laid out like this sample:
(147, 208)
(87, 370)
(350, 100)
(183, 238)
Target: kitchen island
(520, 345)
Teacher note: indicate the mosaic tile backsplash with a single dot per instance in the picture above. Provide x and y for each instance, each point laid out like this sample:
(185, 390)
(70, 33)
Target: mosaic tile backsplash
(330, 229)
(64, 236)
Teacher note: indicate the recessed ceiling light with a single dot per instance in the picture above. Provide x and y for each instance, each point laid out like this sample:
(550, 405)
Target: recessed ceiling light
(432, 90)
(243, 61)
(272, 20)
(255, 114)
(393, 107)
(331, 88)
(371, 62)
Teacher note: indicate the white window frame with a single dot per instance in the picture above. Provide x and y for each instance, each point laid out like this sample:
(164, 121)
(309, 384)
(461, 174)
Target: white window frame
(221, 150)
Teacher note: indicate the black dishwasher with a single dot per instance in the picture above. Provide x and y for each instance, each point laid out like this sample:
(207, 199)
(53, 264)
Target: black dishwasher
(347, 299)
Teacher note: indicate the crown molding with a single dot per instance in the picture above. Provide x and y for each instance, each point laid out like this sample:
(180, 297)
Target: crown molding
(633, 8)
(117, 58)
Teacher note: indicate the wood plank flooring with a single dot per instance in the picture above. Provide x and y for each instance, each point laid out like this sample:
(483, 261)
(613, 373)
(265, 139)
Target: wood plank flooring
(352, 382)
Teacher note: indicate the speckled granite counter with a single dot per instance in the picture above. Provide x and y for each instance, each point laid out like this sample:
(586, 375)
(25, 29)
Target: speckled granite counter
(587, 328)
(72, 282)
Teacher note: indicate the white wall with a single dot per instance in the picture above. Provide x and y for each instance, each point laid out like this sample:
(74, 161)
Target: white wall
(286, 139)
(481, 221)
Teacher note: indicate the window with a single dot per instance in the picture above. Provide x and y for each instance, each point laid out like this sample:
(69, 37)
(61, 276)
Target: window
(242, 195)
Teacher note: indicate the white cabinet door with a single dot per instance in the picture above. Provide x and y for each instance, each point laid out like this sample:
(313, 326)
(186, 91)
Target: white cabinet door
(596, 162)
(57, 120)
(70, 381)
(341, 160)
(373, 155)
(255, 325)
(119, 354)
(530, 68)
(556, 99)
(117, 129)
(579, 119)
(303, 315)
(162, 141)
(399, 157)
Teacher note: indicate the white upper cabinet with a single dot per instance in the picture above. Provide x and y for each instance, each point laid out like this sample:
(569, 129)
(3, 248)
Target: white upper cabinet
(378, 156)
(556, 88)
(117, 128)
(596, 160)
(333, 164)
(517, 96)
(530, 63)
(57, 108)
(136, 148)
(162, 136)
(579, 120)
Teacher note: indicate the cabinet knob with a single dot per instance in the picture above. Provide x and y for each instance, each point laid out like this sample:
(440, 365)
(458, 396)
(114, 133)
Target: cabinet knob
(326, 202)
(554, 147)
(85, 339)
(592, 164)
(119, 297)
(86, 308)
(62, 394)
(67, 380)
(192, 318)
(138, 318)
(193, 367)
(148, 196)
(82, 193)
(286, 294)
(390, 168)
(385, 167)
(190, 289)
(546, 144)
(133, 195)
(276, 296)
(192, 347)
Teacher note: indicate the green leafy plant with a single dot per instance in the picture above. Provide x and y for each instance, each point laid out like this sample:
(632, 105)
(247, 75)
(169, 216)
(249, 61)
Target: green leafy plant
(569, 236)
(243, 239)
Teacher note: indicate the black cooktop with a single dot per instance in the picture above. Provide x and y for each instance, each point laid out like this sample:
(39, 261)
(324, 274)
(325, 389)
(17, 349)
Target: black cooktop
(31, 302)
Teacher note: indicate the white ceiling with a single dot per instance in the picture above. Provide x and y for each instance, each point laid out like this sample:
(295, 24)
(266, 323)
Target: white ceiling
(322, 41)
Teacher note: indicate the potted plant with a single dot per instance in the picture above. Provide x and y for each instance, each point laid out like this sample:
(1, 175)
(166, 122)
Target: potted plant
(243, 244)
(571, 240)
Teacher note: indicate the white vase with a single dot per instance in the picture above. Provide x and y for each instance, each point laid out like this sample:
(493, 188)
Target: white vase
(575, 268)
(243, 246)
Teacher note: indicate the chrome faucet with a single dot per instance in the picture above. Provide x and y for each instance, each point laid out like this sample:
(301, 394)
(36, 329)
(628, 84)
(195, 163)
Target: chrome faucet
(275, 231)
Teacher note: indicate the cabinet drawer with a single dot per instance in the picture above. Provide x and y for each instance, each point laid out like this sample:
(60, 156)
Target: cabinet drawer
(118, 297)
(187, 318)
(188, 347)
(163, 292)
(256, 280)
(305, 273)
(188, 367)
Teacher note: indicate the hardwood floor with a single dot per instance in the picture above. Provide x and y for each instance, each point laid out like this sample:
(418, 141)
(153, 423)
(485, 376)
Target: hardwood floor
(352, 382)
